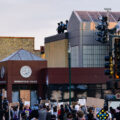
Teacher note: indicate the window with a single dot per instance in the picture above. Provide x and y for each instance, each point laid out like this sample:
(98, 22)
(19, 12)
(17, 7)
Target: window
(74, 56)
(93, 56)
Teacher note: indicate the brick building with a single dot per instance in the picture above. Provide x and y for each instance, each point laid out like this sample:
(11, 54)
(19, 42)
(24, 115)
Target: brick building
(22, 76)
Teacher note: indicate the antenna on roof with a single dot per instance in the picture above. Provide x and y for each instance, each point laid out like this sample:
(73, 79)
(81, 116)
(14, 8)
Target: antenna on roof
(108, 11)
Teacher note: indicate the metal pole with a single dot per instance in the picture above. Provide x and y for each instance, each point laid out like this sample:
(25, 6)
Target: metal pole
(69, 65)
(108, 11)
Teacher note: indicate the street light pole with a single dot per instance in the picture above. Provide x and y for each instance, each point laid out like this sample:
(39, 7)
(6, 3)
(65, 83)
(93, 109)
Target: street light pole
(69, 65)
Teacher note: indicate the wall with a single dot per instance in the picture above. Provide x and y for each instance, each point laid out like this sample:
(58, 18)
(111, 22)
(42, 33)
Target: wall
(56, 53)
(9, 45)
(13, 77)
(82, 36)
(78, 76)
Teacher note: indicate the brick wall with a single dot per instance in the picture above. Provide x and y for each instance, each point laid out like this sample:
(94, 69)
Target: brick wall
(9, 45)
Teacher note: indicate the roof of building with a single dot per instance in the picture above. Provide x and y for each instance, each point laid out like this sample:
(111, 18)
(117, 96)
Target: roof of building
(22, 55)
(56, 37)
(11, 37)
(89, 16)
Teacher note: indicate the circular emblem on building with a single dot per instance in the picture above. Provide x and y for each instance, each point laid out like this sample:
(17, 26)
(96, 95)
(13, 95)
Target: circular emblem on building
(2, 72)
(25, 71)
(117, 96)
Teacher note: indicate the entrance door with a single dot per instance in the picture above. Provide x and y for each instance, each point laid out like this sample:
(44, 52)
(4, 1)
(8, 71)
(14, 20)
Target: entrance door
(15, 96)
(33, 97)
(25, 95)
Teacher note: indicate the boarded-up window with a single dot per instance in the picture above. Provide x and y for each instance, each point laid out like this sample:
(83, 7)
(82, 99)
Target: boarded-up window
(25, 95)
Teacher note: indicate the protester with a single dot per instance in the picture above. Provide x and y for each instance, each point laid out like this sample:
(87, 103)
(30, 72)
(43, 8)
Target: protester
(90, 115)
(34, 112)
(77, 107)
(61, 113)
(42, 112)
(27, 111)
(62, 27)
(55, 112)
(65, 112)
(21, 104)
(80, 115)
(117, 113)
(6, 108)
(106, 110)
(23, 116)
(53, 117)
(69, 116)
(15, 113)
(48, 117)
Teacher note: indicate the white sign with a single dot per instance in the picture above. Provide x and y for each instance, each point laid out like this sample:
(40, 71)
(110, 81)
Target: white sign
(27, 103)
(25, 81)
(114, 104)
(82, 101)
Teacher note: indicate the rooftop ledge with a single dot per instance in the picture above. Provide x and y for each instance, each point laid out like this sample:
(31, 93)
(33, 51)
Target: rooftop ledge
(56, 37)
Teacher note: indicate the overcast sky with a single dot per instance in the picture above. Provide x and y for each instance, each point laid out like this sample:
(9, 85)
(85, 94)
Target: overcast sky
(39, 18)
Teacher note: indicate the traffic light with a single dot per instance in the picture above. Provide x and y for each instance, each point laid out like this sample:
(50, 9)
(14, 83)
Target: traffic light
(117, 58)
(102, 28)
(109, 65)
(42, 50)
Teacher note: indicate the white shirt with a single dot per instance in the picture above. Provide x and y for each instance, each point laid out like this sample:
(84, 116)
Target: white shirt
(77, 107)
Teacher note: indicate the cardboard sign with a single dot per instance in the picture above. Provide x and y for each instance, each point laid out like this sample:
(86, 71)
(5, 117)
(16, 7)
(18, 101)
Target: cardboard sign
(82, 102)
(74, 103)
(95, 102)
(45, 101)
(14, 104)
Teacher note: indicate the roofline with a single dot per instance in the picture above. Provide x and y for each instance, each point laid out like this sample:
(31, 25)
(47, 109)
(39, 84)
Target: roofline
(77, 15)
(16, 37)
(56, 37)
(91, 11)
(75, 11)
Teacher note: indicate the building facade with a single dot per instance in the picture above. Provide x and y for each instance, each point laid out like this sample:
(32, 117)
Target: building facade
(22, 76)
(85, 50)
(86, 54)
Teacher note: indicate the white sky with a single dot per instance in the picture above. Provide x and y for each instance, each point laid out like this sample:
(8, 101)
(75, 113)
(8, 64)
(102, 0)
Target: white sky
(39, 18)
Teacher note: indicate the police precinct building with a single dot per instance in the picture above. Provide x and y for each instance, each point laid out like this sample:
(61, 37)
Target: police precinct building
(25, 75)
(21, 76)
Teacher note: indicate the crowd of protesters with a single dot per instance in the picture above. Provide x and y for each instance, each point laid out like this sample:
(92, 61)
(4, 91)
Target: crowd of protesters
(62, 27)
(54, 112)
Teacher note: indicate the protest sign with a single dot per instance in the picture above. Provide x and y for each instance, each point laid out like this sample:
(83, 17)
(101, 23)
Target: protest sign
(45, 101)
(27, 103)
(82, 102)
(95, 102)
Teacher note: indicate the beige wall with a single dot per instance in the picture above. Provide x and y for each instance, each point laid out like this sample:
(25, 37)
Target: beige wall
(9, 45)
(56, 53)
